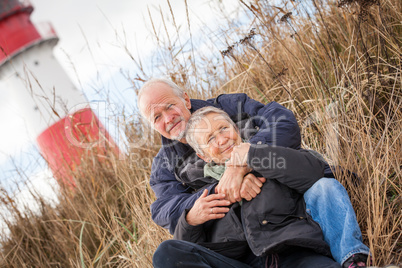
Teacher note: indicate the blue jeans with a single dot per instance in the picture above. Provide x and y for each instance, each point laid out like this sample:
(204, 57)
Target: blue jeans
(329, 205)
(177, 253)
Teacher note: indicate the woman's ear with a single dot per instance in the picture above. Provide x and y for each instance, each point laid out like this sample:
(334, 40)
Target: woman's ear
(206, 159)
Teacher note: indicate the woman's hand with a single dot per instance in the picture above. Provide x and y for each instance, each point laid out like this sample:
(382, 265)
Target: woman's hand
(239, 155)
(235, 182)
(251, 186)
(207, 207)
(231, 182)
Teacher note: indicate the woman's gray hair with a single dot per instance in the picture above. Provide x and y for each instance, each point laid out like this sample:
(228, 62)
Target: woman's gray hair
(178, 91)
(196, 118)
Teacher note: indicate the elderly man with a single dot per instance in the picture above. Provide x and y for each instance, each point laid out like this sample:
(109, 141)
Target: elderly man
(168, 108)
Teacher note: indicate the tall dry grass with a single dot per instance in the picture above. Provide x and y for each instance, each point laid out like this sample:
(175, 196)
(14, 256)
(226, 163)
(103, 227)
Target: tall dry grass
(336, 65)
(105, 221)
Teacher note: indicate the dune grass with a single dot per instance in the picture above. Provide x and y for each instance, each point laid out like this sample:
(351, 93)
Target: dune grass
(336, 65)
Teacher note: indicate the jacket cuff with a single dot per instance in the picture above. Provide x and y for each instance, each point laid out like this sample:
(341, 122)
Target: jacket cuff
(186, 224)
(185, 231)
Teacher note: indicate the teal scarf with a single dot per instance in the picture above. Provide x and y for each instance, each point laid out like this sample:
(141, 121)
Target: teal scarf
(213, 170)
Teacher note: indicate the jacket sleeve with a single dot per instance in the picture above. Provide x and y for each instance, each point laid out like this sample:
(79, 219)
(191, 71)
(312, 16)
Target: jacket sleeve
(297, 169)
(172, 197)
(277, 125)
(187, 232)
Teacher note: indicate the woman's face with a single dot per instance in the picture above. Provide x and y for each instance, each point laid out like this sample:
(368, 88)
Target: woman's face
(216, 136)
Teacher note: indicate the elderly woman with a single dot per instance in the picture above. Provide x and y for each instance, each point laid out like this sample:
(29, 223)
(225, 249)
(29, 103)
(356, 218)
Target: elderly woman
(274, 226)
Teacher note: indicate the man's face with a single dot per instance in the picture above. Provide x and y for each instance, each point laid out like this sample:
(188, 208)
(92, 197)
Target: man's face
(217, 137)
(166, 112)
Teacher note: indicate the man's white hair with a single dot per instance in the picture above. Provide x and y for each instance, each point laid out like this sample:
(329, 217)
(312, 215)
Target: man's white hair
(178, 91)
(196, 118)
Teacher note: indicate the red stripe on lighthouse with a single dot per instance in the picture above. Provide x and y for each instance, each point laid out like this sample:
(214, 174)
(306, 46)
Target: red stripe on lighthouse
(16, 31)
(65, 144)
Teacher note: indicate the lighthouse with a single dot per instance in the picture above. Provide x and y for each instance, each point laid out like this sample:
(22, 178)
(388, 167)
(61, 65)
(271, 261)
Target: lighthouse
(56, 113)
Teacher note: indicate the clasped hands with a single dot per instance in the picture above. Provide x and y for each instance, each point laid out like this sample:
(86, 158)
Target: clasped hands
(236, 183)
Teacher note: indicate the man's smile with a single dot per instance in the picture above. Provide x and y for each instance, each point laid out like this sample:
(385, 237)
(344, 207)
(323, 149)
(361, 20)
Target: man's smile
(173, 125)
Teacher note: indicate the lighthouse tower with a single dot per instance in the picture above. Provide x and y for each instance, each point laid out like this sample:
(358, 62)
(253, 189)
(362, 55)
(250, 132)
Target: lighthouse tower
(57, 114)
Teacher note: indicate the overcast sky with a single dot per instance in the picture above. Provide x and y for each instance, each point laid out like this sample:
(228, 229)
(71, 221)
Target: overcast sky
(93, 37)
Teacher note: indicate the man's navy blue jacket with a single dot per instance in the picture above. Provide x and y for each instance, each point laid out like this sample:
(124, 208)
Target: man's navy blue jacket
(276, 125)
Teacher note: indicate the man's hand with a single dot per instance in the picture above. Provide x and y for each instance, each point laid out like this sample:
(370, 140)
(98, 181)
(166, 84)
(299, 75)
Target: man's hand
(251, 186)
(207, 207)
(231, 182)
(239, 155)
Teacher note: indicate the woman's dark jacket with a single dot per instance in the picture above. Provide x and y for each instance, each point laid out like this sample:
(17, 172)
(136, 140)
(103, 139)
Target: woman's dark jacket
(274, 220)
